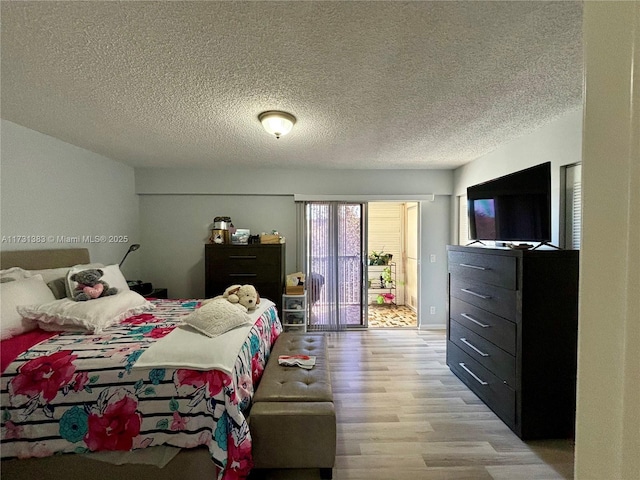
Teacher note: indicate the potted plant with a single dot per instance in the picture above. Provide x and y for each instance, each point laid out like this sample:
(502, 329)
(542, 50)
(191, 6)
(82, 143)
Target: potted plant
(379, 258)
(386, 277)
(388, 298)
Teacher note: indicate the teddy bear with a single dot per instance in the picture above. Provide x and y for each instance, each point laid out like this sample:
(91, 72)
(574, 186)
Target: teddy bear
(245, 296)
(90, 286)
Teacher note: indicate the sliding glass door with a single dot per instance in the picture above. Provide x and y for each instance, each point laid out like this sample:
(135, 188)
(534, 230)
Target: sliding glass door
(334, 233)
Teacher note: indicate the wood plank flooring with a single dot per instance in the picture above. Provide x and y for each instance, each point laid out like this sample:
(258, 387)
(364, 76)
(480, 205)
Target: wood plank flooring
(402, 414)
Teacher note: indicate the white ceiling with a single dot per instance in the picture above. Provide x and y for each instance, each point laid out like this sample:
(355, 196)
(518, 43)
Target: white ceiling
(372, 84)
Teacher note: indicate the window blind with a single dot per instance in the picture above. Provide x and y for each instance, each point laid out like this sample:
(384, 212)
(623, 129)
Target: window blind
(573, 206)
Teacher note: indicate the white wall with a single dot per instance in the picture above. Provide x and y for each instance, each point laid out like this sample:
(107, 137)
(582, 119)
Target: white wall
(174, 229)
(178, 205)
(52, 189)
(608, 401)
(559, 142)
(434, 237)
(275, 181)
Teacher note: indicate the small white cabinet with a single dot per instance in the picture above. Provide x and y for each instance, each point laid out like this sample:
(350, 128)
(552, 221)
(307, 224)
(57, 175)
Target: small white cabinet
(294, 312)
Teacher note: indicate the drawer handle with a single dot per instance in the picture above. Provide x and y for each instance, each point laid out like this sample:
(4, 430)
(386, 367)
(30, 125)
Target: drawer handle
(471, 319)
(241, 257)
(471, 292)
(481, 382)
(464, 340)
(243, 274)
(477, 267)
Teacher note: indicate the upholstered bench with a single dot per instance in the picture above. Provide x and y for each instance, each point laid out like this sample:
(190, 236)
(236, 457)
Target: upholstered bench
(293, 420)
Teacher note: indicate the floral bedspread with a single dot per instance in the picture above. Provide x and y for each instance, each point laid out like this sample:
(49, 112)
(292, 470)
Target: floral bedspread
(79, 393)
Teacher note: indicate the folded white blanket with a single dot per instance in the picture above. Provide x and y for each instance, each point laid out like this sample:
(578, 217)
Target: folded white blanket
(185, 347)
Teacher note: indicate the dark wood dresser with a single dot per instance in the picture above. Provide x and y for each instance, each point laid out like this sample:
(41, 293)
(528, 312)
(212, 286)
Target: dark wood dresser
(512, 334)
(259, 265)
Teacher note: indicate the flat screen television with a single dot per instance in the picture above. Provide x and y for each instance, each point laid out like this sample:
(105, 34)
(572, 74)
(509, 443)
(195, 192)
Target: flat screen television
(516, 207)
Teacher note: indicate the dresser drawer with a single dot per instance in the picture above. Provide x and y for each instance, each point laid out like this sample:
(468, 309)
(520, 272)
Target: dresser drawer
(243, 270)
(497, 330)
(500, 301)
(496, 270)
(498, 396)
(493, 358)
(243, 258)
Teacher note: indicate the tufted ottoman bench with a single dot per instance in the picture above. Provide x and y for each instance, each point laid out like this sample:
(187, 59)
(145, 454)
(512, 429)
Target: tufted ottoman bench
(293, 420)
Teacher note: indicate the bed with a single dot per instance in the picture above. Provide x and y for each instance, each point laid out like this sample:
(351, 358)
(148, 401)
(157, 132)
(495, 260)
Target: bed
(83, 403)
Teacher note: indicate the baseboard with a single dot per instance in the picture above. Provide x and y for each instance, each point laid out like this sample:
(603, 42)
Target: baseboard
(433, 326)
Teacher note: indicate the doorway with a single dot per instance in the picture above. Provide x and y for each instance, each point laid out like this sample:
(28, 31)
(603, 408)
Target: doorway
(392, 270)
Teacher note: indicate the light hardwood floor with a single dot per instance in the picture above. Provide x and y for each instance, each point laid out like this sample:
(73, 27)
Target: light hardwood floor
(402, 414)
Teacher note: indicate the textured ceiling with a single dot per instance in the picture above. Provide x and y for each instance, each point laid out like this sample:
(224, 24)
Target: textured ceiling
(372, 84)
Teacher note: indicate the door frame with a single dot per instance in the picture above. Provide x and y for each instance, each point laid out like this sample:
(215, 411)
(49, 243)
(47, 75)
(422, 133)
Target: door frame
(417, 202)
(427, 197)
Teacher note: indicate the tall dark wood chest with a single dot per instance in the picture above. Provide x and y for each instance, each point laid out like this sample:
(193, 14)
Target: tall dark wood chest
(259, 265)
(512, 334)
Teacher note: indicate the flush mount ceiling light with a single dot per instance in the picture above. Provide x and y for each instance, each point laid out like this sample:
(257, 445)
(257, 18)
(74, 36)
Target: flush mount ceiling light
(277, 123)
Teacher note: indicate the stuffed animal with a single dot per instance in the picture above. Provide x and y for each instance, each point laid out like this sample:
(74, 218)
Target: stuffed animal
(245, 296)
(230, 293)
(90, 286)
(248, 296)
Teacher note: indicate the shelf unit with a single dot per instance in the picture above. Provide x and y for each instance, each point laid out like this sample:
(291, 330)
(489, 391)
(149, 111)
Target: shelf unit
(294, 312)
(377, 285)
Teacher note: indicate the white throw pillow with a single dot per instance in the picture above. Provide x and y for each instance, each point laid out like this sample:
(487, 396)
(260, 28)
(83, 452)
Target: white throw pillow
(111, 274)
(93, 316)
(50, 274)
(114, 277)
(217, 317)
(27, 291)
(13, 273)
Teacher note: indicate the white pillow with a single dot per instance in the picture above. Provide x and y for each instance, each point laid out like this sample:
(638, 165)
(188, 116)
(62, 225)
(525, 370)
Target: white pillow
(50, 274)
(93, 316)
(217, 317)
(25, 291)
(111, 274)
(114, 277)
(13, 273)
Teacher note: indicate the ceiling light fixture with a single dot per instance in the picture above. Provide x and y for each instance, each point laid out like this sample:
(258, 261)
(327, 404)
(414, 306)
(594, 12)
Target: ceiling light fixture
(277, 123)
